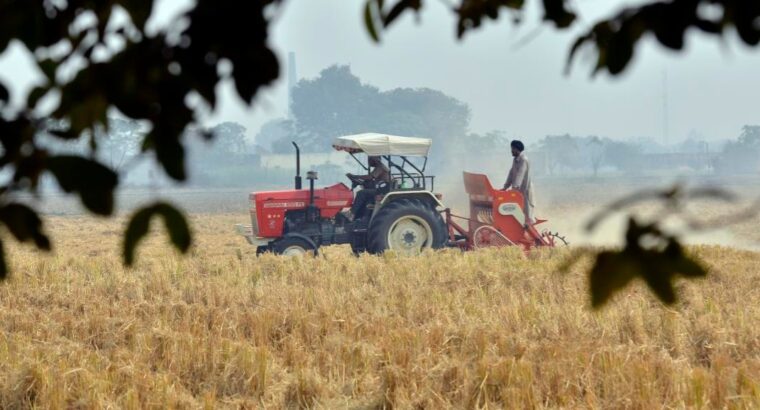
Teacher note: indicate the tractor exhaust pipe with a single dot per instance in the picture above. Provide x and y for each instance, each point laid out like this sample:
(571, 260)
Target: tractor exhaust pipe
(298, 165)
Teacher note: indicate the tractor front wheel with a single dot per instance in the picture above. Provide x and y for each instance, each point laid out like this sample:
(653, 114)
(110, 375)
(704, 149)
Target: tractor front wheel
(406, 226)
(290, 246)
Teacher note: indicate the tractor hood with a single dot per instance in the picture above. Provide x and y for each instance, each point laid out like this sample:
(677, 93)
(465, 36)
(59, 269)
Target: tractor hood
(383, 144)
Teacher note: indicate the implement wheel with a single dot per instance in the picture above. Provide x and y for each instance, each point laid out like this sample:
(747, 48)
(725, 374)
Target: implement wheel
(406, 226)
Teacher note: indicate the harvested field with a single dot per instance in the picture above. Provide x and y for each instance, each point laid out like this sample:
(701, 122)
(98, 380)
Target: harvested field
(221, 328)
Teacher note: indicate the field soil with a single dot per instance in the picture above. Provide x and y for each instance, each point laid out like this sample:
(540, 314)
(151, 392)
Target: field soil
(220, 328)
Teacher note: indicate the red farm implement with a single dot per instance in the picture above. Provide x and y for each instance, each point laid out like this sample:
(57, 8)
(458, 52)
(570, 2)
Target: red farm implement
(496, 218)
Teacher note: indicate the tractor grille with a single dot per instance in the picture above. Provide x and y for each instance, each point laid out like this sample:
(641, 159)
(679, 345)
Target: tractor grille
(254, 219)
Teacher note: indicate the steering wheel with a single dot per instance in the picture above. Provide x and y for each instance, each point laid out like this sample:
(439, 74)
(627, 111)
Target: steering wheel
(355, 181)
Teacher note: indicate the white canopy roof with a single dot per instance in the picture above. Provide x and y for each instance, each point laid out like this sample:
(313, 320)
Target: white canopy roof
(383, 144)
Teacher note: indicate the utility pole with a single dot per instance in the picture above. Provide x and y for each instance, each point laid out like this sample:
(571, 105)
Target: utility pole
(665, 124)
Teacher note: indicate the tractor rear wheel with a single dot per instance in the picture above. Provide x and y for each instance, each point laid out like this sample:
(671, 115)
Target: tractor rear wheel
(406, 226)
(290, 246)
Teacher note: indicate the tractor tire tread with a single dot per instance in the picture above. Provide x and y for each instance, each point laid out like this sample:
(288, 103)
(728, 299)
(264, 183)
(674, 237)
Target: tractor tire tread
(377, 233)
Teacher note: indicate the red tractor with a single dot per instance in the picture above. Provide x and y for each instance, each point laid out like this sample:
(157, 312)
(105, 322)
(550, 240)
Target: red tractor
(406, 215)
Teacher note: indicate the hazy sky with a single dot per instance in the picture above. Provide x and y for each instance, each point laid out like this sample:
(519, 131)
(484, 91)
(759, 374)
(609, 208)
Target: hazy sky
(511, 85)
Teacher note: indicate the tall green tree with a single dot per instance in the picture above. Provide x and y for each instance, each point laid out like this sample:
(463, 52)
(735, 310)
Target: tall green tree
(337, 103)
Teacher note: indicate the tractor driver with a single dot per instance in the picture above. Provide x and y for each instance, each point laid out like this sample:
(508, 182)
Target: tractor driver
(519, 179)
(377, 175)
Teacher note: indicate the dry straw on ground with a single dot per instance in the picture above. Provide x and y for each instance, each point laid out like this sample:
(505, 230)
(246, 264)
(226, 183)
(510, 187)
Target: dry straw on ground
(492, 329)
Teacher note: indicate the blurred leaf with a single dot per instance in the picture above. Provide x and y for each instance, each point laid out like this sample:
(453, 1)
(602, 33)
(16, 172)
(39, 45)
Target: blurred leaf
(746, 21)
(24, 224)
(616, 38)
(369, 21)
(104, 15)
(265, 67)
(611, 272)
(660, 282)
(48, 67)
(94, 182)
(472, 12)
(619, 52)
(669, 26)
(4, 94)
(399, 8)
(139, 10)
(657, 265)
(139, 224)
(85, 100)
(555, 11)
(3, 263)
(241, 39)
(169, 151)
(35, 95)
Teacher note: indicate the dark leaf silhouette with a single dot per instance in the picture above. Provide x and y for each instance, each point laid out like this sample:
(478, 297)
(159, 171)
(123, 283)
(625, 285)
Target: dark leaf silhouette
(35, 95)
(4, 95)
(616, 38)
(140, 10)
(649, 253)
(3, 265)
(369, 20)
(398, 8)
(25, 225)
(556, 12)
(48, 67)
(94, 182)
(139, 224)
(611, 272)
(613, 39)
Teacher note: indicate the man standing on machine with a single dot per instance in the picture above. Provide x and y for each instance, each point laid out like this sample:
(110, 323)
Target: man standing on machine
(519, 179)
(378, 175)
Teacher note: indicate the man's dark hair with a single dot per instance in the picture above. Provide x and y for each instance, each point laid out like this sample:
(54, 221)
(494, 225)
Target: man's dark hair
(518, 145)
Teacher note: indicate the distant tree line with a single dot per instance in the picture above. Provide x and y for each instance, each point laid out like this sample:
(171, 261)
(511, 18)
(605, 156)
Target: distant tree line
(337, 102)
(560, 154)
(741, 155)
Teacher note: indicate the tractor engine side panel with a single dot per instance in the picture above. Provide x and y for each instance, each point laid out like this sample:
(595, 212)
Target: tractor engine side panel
(269, 207)
(322, 231)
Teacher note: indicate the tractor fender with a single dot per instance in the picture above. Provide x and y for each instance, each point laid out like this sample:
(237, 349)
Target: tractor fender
(423, 195)
(305, 238)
